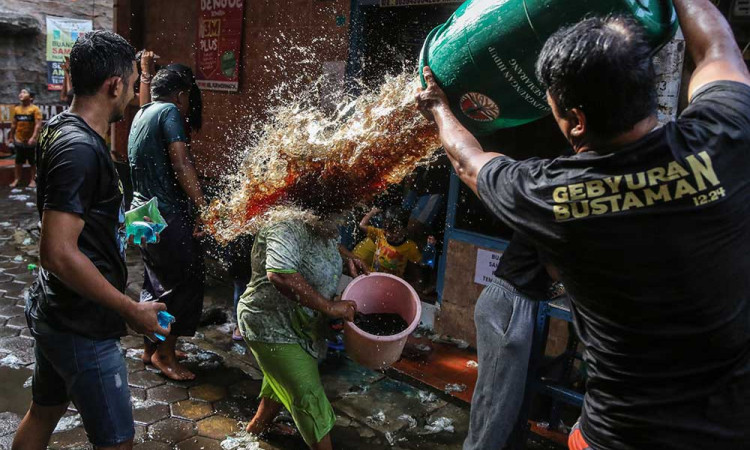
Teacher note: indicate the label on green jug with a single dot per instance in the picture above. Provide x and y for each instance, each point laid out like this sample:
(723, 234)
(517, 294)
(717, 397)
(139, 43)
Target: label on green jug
(479, 107)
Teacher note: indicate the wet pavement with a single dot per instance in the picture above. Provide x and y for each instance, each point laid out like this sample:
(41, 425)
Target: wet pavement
(373, 411)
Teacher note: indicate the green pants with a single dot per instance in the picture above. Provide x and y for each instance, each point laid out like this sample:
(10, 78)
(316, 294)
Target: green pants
(291, 377)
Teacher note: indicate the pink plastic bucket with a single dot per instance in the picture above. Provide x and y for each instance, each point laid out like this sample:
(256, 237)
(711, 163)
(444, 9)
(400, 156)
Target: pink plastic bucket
(380, 293)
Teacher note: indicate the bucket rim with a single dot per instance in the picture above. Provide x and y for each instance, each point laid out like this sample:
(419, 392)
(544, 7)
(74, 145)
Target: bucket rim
(394, 337)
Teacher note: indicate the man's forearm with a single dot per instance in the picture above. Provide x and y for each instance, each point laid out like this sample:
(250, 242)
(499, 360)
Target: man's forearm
(463, 149)
(707, 33)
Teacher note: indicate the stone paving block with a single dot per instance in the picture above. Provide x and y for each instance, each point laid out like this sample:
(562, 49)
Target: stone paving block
(9, 265)
(21, 348)
(208, 392)
(426, 436)
(17, 322)
(26, 333)
(140, 434)
(131, 341)
(71, 439)
(6, 441)
(22, 275)
(199, 443)
(9, 332)
(240, 408)
(187, 384)
(392, 398)
(218, 427)
(222, 376)
(245, 389)
(343, 376)
(137, 393)
(5, 277)
(191, 409)
(145, 379)
(171, 431)
(134, 365)
(8, 423)
(459, 418)
(152, 445)
(9, 309)
(356, 437)
(150, 414)
(166, 394)
(14, 289)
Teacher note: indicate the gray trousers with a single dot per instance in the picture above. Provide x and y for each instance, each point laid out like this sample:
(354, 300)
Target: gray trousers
(504, 318)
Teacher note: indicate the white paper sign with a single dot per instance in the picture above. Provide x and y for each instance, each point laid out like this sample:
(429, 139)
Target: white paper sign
(487, 262)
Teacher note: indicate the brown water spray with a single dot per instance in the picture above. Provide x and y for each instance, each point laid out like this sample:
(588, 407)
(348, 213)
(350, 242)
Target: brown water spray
(308, 160)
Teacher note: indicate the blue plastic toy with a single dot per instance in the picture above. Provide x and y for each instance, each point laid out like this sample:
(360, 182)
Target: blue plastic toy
(140, 230)
(164, 319)
(136, 226)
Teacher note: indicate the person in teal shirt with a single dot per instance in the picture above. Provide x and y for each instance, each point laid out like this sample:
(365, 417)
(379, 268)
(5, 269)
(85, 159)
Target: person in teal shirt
(161, 167)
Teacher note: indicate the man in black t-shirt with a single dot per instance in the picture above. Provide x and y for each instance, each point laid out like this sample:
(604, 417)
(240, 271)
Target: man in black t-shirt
(649, 228)
(76, 309)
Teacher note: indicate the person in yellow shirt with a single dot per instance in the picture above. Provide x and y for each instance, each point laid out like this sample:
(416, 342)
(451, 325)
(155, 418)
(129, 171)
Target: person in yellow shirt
(26, 121)
(390, 249)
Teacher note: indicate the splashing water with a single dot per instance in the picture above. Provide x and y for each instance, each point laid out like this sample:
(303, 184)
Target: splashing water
(308, 160)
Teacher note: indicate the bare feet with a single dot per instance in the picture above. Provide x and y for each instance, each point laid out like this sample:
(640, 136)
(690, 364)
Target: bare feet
(146, 356)
(149, 348)
(257, 427)
(32, 184)
(148, 353)
(170, 367)
(263, 419)
(14, 183)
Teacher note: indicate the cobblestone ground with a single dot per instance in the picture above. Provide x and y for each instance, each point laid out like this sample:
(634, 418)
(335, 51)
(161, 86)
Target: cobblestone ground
(373, 411)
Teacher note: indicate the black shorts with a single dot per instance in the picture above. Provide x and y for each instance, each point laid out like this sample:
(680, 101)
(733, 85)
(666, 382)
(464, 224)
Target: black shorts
(176, 264)
(25, 153)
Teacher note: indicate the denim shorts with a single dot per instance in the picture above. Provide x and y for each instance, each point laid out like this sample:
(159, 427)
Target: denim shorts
(90, 373)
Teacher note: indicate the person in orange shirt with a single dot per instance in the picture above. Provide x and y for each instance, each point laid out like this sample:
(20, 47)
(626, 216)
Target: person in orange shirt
(391, 250)
(26, 121)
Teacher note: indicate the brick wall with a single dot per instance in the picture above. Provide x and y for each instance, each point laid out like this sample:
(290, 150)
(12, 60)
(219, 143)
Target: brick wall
(283, 40)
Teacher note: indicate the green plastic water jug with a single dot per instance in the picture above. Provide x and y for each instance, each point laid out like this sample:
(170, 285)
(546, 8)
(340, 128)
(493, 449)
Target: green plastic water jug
(484, 56)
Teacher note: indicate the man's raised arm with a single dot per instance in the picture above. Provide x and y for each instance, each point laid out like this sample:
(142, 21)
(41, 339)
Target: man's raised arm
(711, 44)
(462, 148)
